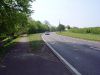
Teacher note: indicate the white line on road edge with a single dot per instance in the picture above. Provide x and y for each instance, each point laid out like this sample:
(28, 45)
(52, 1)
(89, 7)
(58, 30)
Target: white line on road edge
(68, 65)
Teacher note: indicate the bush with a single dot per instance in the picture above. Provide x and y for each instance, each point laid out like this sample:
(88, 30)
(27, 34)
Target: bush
(93, 30)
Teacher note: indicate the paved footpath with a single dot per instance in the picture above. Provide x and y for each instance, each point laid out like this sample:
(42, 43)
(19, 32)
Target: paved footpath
(20, 62)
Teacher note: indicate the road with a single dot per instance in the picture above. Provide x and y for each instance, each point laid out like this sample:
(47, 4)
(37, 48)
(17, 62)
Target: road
(83, 55)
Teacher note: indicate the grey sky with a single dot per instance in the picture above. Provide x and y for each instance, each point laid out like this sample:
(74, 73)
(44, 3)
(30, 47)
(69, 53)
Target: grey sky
(80, 13)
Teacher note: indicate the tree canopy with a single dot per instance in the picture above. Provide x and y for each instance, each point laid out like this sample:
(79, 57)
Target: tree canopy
(61, 27)
(37, 26)
(13, 15)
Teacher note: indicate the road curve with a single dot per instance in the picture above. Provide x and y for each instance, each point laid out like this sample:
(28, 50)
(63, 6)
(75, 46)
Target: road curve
(83, 55)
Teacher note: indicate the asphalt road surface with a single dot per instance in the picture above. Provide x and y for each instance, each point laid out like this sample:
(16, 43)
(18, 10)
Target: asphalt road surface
(83, 55)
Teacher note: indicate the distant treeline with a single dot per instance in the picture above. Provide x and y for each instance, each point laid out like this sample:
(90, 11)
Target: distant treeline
(93, 30)
(36, 27)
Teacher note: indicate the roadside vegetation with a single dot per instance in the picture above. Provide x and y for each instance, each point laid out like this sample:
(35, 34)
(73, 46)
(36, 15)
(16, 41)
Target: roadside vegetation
(7, 44)
(36, 26)
(92, 33)
(92, 30)
(36, 41)
(15, 20)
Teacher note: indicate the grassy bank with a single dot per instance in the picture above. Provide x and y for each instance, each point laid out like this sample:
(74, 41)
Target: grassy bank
(7, 44)
(36, 41)
(92, 30)
(94, 37)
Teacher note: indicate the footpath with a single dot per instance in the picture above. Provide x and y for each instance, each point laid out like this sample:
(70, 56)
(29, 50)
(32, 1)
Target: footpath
(20, 61)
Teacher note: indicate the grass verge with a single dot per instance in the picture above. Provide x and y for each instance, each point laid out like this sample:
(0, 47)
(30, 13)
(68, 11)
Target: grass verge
(93, 37)
(36, 41)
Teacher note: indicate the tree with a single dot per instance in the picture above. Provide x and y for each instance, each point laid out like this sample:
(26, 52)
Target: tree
(13, 15)
(48, 24)
(61, 27)
(36, 26)
(53, 28)
(68, 27)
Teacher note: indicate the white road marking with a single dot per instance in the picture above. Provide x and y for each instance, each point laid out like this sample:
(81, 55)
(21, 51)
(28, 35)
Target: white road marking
(68, 65)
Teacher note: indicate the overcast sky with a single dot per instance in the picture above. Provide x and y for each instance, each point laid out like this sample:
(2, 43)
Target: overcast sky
(80, 13)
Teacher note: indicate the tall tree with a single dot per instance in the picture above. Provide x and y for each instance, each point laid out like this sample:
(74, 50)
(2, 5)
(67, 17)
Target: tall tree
(13, 15)
(68, 27)
(61, 27)
(48, 24)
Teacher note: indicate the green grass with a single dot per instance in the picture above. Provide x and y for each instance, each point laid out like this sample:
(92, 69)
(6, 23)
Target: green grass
(92, 30)
(36, 41)
(93, 37)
